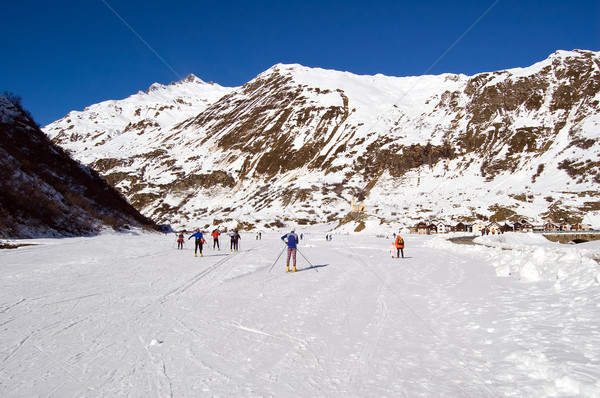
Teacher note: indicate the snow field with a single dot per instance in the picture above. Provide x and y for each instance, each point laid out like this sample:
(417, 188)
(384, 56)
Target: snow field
(130, 315)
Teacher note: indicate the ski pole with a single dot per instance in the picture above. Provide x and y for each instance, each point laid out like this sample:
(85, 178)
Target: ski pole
(309, 263)
(280, 253)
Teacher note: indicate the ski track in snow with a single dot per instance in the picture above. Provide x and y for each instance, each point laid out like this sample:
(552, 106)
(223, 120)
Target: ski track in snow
(130, 315)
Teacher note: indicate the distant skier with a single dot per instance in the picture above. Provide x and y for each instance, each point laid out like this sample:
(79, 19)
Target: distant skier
(215, 235)
(180, 240)
(199, 241)
(292, 243)
(399, 246)
(235, 237)
(260, 236)
(301, 236)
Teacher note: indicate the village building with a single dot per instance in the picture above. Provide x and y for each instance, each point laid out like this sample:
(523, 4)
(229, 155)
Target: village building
(518, 226)
(460, 227)
(422, 228)
(528, 227)
(523, 226)
(494, 228)
(359, 207)
(507, 227)
(550, 226)
(478, 227)
(443, 227)
(432, 229)
(580, 227)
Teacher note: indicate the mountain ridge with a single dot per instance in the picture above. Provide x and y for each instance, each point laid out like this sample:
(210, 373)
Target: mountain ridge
(306, 141)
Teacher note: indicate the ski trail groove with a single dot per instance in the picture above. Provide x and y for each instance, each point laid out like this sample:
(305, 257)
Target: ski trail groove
(10, 306)
(13, 352)
(460, 363)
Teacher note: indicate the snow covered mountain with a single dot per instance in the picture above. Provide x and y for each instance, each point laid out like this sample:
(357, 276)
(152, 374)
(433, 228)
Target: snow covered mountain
(299, 143)
(45, 193)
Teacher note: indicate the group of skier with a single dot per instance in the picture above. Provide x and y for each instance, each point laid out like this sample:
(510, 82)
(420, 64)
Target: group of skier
(291, 239)
(199, 240)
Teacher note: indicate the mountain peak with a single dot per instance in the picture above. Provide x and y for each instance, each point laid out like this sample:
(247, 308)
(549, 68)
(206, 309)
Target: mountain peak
(154, 87)
(191, 78)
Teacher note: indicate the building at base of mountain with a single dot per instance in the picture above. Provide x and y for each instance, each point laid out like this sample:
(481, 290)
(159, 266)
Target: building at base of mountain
(482, 227)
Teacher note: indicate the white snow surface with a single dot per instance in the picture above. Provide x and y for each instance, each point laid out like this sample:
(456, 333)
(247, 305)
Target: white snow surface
(130, 315)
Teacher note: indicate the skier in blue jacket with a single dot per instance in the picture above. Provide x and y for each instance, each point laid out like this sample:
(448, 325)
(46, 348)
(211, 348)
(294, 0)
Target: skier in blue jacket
(199, 242)
(292, 242)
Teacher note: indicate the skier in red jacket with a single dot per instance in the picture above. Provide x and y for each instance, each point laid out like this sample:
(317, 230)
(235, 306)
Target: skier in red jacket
(215, 234)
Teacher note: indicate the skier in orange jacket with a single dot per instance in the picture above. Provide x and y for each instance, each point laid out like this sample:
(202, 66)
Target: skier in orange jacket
(215, 234)
(399, 246)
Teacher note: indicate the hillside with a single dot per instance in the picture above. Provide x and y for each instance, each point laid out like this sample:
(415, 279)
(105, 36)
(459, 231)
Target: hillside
(43, 192)
(300, 143)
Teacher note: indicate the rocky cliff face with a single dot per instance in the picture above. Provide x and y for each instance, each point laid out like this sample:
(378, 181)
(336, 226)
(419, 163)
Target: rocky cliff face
(43, 192)
(299, 143)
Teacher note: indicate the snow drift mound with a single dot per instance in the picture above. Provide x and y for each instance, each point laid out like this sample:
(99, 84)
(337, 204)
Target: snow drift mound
(533, 258)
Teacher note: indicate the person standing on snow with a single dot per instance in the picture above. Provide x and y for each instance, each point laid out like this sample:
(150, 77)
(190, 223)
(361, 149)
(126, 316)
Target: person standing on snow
(399, 246)
(235, 237)
(236, 240)
(215, 234)
(180, 240)
(292, 243)
(199, 242)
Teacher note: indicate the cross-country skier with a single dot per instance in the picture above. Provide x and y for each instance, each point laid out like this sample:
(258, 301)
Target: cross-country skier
(215, 234)
(199, 242)
(292, 242)
(399, 246)
(235, 237)
(180, 240)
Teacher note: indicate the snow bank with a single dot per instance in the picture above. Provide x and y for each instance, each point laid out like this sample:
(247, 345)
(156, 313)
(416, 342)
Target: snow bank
(533, 258)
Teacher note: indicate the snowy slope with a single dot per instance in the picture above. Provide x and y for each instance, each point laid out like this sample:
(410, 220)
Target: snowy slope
(300, 143)
(144, 115)
(130, 315)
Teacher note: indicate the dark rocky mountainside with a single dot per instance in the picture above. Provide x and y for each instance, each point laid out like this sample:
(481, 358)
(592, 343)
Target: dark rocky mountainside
(43, 192)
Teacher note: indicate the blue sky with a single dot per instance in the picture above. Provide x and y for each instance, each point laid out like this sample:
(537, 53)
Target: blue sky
(65, 55)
